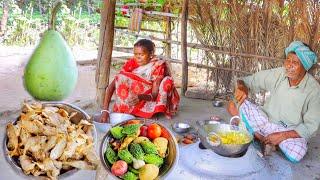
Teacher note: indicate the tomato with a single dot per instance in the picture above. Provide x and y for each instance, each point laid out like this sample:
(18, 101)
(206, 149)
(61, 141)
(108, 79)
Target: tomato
(165, 133)
(154, 131)
(144, 131)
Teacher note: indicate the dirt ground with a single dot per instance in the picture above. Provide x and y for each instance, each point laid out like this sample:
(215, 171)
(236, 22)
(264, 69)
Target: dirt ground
(12, 94)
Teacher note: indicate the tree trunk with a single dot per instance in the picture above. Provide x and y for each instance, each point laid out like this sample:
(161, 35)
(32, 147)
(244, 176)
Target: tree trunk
(184, 56)
(40, 7)
(105, 49)
(89, 6)
(4, 19)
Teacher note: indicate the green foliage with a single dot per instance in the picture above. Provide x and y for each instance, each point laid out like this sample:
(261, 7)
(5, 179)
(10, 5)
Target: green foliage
(26, 23)
(22, 27)
(77, 21)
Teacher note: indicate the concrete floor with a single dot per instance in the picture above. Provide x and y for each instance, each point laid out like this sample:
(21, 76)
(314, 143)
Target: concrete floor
(12, 94)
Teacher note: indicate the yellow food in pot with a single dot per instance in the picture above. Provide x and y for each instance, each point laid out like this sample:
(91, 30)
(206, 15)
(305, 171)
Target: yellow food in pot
(231, 138)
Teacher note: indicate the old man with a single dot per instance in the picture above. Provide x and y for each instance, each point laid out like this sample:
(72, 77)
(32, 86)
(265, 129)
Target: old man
(291, 115)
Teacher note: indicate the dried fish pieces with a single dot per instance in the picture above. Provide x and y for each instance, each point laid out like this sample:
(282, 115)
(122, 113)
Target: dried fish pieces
(13, 139)
(80, 165)
(58, 149)
(46, 141)
(26, 164)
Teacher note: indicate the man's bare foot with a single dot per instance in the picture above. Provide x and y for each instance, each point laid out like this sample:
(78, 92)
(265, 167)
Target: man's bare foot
(232, 109)
(267, 149)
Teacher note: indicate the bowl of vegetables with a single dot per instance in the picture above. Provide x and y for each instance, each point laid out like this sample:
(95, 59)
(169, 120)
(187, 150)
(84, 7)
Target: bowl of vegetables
(139, 149)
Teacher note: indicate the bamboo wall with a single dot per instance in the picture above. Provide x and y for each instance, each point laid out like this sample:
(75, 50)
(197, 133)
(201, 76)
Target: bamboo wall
(262, 27)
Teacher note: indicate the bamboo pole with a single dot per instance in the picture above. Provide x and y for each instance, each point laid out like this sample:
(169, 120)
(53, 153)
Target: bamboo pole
(154, 13)
(142, 29)
(105, 49)
(168, 33)
(119, 4)
(167, 49)
(123, 59)
(184, 47)
(213, 49)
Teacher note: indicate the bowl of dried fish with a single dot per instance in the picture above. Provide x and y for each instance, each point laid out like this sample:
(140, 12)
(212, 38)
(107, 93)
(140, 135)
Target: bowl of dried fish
(139, 149)
(50, 140)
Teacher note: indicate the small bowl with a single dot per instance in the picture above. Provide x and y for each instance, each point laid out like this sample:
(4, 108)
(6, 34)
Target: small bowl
(217, 103)
(102, 127)
(180, 127)
(115, 118)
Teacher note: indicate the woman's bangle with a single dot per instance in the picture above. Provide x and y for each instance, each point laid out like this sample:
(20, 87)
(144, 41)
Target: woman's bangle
(104, 110)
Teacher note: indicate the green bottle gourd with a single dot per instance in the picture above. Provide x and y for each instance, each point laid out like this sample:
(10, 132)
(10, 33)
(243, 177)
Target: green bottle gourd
(51, 73)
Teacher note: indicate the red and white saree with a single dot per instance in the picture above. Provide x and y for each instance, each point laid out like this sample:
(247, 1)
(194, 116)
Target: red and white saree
(134, 79)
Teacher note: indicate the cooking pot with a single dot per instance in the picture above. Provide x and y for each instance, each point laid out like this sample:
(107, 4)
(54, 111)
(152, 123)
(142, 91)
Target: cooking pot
(209, 128)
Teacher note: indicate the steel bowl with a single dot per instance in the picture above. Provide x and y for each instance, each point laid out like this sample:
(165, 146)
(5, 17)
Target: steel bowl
(170, 162)
(205, 129)
(81, 114)
(217, 103)
(180, 127)
(114, 118)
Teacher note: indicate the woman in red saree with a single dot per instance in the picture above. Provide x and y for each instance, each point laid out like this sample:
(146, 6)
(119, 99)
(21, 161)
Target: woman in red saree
(144, 86)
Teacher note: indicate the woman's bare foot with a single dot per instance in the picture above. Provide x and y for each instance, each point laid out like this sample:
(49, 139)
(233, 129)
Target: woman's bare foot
(232, 109)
